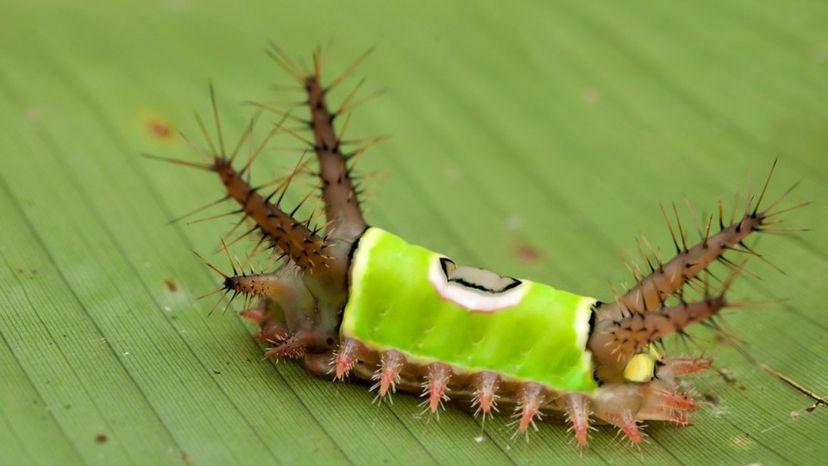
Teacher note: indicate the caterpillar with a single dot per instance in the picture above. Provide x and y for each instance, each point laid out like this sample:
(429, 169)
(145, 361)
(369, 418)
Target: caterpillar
(349, 300)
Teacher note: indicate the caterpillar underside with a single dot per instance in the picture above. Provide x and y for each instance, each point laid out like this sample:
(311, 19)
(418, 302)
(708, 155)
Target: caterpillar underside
(405, 319)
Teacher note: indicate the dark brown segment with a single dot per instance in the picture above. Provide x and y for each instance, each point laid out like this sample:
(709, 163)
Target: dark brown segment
(262, 285)
(294, 239)
(338, 191)
(635, 332)
(650, 293)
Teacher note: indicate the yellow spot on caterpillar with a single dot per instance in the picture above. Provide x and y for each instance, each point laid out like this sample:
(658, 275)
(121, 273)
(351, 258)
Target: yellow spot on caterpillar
(640, 368)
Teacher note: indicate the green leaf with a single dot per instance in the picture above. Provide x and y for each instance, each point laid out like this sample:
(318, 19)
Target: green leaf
(535, 139)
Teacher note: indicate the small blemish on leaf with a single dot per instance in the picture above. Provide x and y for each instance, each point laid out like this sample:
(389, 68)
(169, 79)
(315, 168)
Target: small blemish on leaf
(170, 285)
(159, 129)
(727, 376)
(526, 252)
(34, 115)
(101, 438)
(740, 441)
(186, 458)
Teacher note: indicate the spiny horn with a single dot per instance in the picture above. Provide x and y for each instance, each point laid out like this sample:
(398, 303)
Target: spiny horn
(338, 192)
(295, 240)
(636, 331)
(650, 292)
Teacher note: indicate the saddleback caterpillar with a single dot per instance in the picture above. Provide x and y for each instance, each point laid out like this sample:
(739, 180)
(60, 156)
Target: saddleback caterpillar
(354, 301)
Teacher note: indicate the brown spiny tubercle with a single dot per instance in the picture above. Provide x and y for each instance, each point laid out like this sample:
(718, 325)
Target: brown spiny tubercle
(296, 240)
(338, 192)
(619, 334)
(636, 331)
(650, 293)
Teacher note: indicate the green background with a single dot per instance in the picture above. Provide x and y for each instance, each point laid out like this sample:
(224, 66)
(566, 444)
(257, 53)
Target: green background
(533, 138)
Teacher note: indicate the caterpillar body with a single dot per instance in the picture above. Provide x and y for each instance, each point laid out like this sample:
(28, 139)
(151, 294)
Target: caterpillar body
(353, 301)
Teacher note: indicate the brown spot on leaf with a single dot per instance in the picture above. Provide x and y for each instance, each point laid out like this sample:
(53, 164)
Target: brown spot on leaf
(727, 376)
(526, 252)
(159, 129)
(101, 438)
(170, 285)
(740, 441)
(186, 458)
